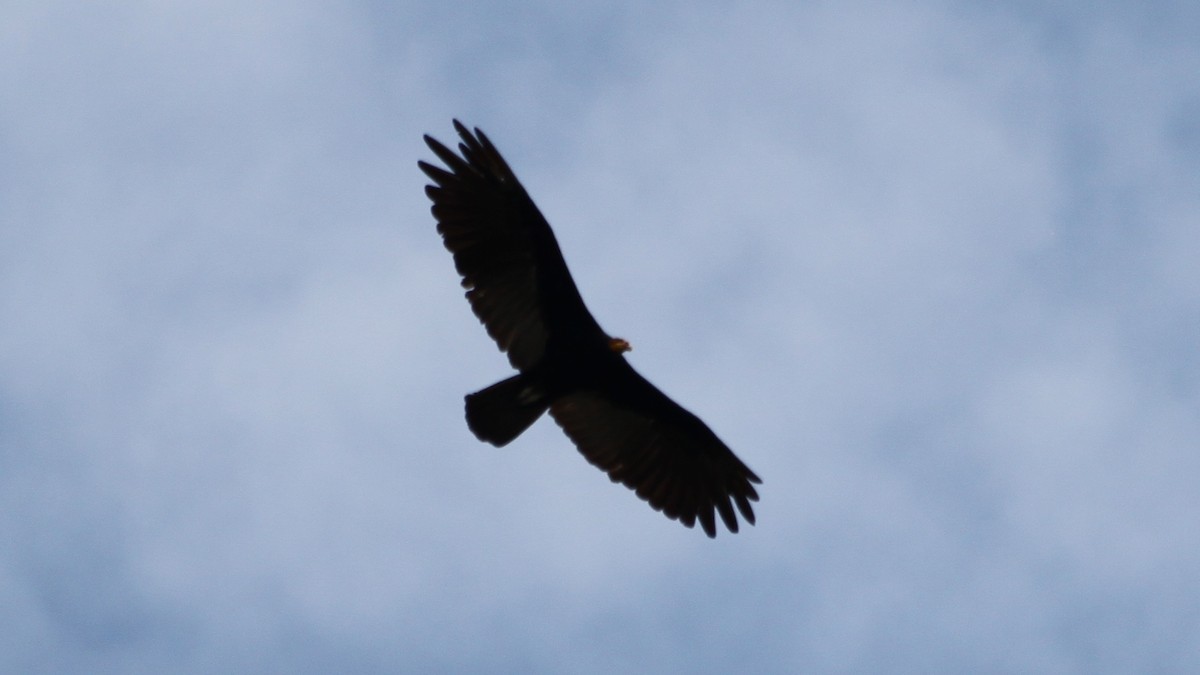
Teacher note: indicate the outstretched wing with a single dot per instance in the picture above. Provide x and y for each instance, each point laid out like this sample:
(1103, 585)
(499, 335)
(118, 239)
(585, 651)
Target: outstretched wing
(665, 454)
(516, 279)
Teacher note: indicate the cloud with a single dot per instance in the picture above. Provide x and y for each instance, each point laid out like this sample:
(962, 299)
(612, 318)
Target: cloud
(928, 269)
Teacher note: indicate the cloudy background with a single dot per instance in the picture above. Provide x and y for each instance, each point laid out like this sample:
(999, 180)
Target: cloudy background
(929, 268)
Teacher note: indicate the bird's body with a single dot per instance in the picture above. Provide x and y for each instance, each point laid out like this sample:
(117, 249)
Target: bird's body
(520, 288)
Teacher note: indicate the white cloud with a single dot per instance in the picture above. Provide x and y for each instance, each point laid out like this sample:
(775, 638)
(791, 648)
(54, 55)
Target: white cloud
(928, 270)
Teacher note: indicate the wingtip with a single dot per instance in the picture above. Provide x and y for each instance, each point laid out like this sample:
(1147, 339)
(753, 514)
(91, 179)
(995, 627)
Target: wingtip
(708, 522)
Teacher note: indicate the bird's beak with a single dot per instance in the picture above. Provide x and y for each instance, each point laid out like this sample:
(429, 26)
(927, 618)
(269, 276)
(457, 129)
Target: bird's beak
(619, 345)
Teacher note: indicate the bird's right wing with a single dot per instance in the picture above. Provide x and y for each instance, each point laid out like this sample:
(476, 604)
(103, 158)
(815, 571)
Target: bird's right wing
(516, 279)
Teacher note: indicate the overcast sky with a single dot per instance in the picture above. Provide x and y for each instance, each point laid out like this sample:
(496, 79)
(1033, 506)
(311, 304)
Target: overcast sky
(929, 268)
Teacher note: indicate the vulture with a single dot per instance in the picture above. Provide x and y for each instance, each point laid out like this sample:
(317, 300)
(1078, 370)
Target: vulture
(518, 285)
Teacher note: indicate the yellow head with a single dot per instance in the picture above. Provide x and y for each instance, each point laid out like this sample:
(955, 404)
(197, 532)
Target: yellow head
(619, 345)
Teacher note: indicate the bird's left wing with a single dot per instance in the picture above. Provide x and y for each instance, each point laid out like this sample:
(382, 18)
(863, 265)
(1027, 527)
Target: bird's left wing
(661, 451)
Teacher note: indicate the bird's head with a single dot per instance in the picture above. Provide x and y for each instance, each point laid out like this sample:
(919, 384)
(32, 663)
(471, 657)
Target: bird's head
(619, 345)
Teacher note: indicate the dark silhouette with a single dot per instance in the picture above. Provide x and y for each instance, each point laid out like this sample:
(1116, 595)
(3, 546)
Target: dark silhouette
(519, 287)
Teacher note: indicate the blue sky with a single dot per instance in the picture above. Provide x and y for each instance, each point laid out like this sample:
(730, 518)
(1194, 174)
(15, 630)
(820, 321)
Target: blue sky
(929, 268)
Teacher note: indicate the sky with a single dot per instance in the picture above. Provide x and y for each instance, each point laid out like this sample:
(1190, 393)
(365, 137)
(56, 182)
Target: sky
(929, 268)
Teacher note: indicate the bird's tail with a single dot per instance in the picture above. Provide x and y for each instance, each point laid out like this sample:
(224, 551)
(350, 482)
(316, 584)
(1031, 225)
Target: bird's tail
(501, 412)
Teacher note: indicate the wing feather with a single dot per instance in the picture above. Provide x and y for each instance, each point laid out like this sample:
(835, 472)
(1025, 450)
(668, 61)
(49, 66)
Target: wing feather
(516, 279)
(663, 453)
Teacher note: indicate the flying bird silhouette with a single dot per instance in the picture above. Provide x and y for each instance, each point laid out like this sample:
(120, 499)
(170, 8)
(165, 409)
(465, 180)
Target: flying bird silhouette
(518, 285)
